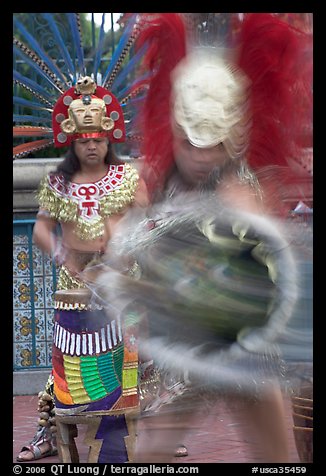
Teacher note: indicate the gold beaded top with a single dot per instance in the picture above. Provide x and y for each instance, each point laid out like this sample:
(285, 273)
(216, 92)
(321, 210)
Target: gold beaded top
(88, 204)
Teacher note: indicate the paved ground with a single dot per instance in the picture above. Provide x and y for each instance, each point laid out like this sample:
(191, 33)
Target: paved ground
(216, 439)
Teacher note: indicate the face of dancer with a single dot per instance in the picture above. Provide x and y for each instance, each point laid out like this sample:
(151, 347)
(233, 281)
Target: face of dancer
(91, 152)
(194, 163)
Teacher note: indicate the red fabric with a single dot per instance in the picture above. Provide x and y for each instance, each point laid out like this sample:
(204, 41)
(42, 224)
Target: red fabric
(57, 363)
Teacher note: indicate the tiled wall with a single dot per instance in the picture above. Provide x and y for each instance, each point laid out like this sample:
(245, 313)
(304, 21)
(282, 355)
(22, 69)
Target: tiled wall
(33, 286)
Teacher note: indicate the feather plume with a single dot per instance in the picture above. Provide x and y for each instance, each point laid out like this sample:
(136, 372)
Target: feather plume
(35, 62)
(126, 41)
(132, 90)
(273, 55)
(31, 131)
(20, 118)
(21, 150)
(100, 45)
(43, 57)
(165, 36)
(47, 78)
(130, 68)
(35, 89)
(74, 23)
(278, 60)
(61, 44)
(31, 104)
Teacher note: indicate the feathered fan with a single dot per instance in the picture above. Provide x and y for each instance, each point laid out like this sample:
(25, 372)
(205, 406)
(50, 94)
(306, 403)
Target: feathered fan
(42, 78)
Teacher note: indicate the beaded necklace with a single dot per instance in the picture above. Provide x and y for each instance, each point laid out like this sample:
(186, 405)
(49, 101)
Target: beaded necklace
(88, 204)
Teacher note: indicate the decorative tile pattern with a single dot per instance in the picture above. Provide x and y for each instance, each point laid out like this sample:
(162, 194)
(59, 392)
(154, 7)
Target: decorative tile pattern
(32, 301)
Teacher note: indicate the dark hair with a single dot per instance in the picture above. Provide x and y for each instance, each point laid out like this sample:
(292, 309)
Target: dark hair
(70, 164)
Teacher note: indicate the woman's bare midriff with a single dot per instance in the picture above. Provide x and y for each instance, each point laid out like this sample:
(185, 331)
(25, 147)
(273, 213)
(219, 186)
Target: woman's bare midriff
(74, 247)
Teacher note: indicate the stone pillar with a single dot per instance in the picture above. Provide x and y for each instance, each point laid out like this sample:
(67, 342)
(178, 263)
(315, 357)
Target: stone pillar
(27, 174)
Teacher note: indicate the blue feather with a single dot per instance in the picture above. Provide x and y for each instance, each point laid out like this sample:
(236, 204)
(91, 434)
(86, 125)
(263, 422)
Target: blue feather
(34, 45)
(99, 49)
(72, 18)
(37, 68)
(31, 104)
(26, 119)
(125, 91)
(120, 75)
(121, 45)
(128, 68)
(63, 49)
(136, 100)
(35, 88)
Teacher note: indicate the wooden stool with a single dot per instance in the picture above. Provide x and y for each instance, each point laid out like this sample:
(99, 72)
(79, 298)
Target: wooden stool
(67, 431)
(302, 413)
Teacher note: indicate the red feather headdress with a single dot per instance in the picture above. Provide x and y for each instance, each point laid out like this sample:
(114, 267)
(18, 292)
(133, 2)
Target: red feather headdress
(276, 57)
(166, 38)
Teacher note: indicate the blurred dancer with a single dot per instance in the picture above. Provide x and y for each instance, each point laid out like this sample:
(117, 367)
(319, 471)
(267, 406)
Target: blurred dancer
(218, 279)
